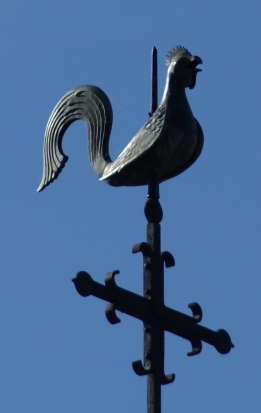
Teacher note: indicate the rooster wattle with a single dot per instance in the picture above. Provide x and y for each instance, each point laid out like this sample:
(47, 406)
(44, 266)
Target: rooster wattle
(169, 142)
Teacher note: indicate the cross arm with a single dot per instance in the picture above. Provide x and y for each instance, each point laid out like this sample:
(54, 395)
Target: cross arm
(143, 309)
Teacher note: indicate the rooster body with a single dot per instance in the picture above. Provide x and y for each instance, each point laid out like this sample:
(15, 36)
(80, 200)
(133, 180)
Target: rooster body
(169, 142)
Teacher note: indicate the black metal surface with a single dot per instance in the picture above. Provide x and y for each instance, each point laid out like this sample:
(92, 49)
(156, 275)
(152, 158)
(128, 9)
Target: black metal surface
(153, 279)
(167, 144)
(150, 308)
(145, 310)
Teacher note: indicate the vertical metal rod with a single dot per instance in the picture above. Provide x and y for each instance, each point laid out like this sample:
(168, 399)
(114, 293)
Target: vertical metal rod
(153, 277)
(154, 80)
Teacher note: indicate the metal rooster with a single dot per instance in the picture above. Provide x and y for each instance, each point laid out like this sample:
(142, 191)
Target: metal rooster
(169, 142)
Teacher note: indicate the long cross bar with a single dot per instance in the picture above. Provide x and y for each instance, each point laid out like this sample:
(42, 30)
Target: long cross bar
(143, 309)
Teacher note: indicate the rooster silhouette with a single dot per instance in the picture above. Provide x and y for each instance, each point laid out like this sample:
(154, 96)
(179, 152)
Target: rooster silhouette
(169, 142)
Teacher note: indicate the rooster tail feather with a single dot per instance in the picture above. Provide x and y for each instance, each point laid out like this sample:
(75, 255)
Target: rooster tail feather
(90, 104)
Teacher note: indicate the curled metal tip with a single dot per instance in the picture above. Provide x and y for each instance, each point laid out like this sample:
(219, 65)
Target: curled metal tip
(168, 259)
(196, 348)
(110, 278)
(111, 315)
(167, 379)
(197, 311)
(140, 369)
(143, 247)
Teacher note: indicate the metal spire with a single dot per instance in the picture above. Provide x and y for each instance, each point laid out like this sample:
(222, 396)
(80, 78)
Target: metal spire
(150, 309)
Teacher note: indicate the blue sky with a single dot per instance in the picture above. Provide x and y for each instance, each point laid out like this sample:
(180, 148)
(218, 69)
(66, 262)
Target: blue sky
(58, 352)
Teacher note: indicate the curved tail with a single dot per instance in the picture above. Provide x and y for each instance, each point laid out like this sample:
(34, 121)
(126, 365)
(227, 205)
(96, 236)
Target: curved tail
(90, 104)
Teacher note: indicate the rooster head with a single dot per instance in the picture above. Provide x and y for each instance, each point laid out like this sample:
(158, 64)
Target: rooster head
(182, 66)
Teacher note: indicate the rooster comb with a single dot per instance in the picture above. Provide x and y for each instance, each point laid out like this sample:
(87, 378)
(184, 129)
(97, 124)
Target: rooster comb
(175, 53)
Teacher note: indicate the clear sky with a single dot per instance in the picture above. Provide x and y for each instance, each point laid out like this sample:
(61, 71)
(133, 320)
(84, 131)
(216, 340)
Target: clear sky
(57, 351)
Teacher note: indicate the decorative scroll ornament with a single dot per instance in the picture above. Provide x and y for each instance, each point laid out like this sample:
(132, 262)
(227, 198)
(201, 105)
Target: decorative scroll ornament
(169, 142)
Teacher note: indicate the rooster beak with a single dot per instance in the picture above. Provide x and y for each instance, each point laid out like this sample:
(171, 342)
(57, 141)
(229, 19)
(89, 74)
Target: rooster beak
(196, 60)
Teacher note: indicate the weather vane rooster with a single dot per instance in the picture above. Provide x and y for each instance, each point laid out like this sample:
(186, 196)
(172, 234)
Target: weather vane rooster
(169, 142)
